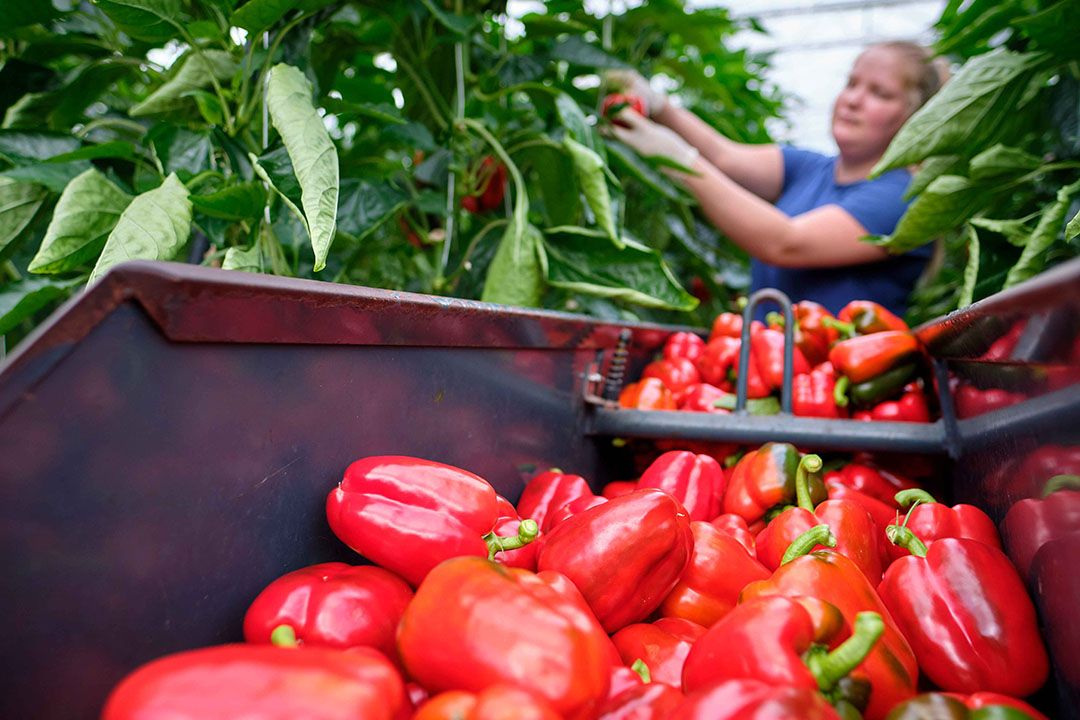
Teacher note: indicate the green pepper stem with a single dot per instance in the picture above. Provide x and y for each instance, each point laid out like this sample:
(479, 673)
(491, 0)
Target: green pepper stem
(829, 668)
(284, 636)
(839, 392)
(642, 671)
(846, 329)
(808, 465)
(909, 497)
(802, 545)
(527, 532)
(1061, 482)
(774, 318)
(902, 536)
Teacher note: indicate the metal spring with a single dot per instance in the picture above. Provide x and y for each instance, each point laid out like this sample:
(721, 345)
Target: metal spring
(617, 370)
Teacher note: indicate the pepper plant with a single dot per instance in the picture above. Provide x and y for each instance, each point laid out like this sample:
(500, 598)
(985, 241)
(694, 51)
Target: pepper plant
(999, 152)
(361, 142)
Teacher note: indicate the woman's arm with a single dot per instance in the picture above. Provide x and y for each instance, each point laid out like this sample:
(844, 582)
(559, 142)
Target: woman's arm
(827, 236)
(758, 168)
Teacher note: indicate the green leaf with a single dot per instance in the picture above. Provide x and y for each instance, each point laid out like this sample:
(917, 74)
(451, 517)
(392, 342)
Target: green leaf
(574, 120)
(19, 202)
(644, 172)
(971, 271)
(945, 204)
(932, 169)
(518, 69)
(151, 20)
(243, 201)
(553, 177)
(86, 213)
(116, 149)
(198, 67)
(576, 51)
(1073, 228)
(1054, 29)
(258, 15)
(25, 148)
(291, 205)
(23, 299)
(311, 151)
(1015, 230)
(279, 170)
(457, 24)
(585, 261)
(1033, 258)
(365, 206)
(515, 275)
(155, 226)
(1002, 160)
(243, 259)
(382, 112)
(589, 169)
(181, 151)
(966, 113)
(20, 13)
(54, 176)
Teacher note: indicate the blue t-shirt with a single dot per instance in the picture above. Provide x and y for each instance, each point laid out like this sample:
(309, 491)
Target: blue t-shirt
(809, 183)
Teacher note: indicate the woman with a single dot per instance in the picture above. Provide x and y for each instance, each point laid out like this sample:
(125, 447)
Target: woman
(801, 215)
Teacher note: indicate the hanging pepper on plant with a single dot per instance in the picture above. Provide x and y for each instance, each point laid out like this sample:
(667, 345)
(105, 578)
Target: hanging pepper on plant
(489, 179)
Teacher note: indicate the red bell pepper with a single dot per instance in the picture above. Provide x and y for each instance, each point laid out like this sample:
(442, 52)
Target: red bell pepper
(332, 605)
(953, 706)
(735, 526)
(866, 356)
(767, 353)
(883, 515)
(498, 702)
(813, 335)
(654, 701)
(624, 678)
(764, 478)
(872, 480)
(964, 609)
(813, 395)
(474, 624)
(647, 394)
(677, 374)
(490, 177)
(719, 569)
(662, 646)
(855, 531)
(931, 521)
(970, 401)
(1033, 522)
(625, 555)
(260, 682)
(890, 667)
(509, 525)
(754, 700)
(548, 492)
(702, 397)
(774, 640)
(864, 317)
(719, 365)
(695, 480)
(619, 487)
(574, 507)
(910, 407)
(684, 345)
(726, 325)
(408, 514)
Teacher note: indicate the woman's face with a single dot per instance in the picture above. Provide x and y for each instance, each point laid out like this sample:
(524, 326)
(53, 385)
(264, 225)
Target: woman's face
(873, 105)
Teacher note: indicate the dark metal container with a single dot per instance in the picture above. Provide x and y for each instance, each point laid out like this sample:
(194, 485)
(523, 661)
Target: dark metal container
(168, 438)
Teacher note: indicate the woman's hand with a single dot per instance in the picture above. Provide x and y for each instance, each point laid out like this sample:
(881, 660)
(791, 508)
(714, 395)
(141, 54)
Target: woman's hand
(652, 139)
(632, 82)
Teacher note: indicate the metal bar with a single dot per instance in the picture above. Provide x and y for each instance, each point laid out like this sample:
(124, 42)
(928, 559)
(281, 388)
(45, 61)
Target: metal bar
(752, 429)
(948, 411)
(741, 383)
(1054, 411)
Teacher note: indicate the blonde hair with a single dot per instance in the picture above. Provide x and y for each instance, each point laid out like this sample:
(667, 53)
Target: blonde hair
(926, 73)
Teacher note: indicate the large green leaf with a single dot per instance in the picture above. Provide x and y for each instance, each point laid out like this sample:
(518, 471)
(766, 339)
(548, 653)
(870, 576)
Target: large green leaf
(366, 205)
(19, 202)
(279, 169)
(1054, 28)
(1033, 258)
(243, 201)
(574, 120)
(966, 113)
(589, 169)
(576, 51)
(54, 176)
(552, 180)
(258, 15)
(932, 169)
(1002, 160)
(21, 300)
(20, 13)
(21, 147)
(196, 73)
(515, 275)
(155, 226)
(1015, 230)
(181, 151)
(587, 262)
(152, 20)
(313, 155)
(945, 204)
(84, 216)
(644, 172)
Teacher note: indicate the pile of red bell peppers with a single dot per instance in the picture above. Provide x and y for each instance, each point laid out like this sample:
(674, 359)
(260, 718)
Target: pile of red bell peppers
(862, 364)
(772, 586)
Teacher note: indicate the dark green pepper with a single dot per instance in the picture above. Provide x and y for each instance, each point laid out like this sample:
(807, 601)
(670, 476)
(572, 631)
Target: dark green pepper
(876, 389)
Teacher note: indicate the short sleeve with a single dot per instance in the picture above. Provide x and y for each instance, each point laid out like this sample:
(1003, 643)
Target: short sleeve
(798, 162)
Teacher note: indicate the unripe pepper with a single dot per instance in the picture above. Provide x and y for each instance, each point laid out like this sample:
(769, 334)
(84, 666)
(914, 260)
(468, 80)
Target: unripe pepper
(260, 682)
(964, 609)
(624, 555)
(332, 605)
(474, 624)
(695, 480)
(408, 514)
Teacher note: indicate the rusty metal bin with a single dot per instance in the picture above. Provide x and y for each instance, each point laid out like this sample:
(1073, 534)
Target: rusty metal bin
(168, 438)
